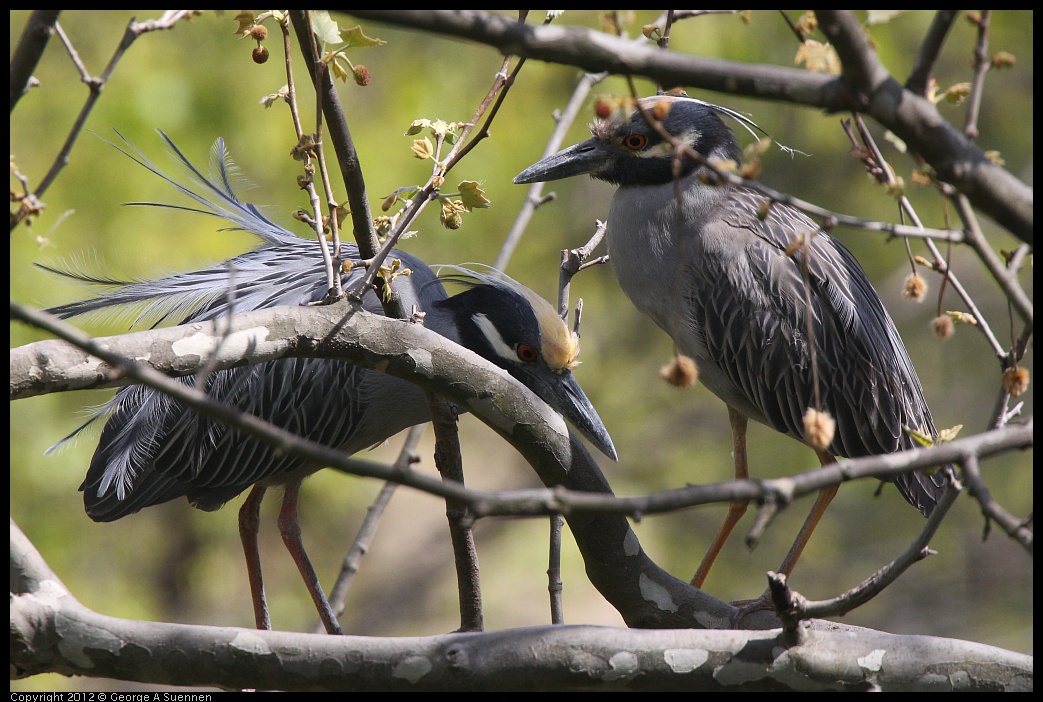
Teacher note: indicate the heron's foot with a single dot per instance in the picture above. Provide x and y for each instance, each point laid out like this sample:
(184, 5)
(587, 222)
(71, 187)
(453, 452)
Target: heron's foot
(761, 609)
(762, 602)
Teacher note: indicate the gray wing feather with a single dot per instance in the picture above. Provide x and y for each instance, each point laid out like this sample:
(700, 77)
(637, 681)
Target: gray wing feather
(752, 316)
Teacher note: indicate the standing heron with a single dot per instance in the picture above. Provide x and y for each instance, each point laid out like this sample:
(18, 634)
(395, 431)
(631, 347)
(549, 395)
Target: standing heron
(720, 270)
(154, 449)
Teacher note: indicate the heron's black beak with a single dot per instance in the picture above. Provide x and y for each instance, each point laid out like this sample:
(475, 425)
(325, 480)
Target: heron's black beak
(585, 157)
(562, 392)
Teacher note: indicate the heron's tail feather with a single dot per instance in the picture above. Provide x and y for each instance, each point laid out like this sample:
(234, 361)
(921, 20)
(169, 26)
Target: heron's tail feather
(923, 491)
(214, 192)
(285, 270)
(145, 302)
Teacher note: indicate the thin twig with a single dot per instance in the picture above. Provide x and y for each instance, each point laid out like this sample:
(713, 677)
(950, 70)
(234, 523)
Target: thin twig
(875, 584)
(534, 198)
(407, 457)
(96, 85)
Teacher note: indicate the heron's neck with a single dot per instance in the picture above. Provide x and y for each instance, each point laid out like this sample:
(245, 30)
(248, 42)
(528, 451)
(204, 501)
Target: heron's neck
(645, 253)
(442, 321)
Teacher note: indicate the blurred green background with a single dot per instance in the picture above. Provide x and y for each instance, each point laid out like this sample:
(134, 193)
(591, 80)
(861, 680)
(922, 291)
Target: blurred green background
(197, 82)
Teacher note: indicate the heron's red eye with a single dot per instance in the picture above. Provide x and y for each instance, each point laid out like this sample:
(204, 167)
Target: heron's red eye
(635, 142)
(526, 353)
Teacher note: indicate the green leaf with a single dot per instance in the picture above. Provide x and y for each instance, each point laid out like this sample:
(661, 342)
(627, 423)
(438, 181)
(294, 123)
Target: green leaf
(472, 196)
(338, 69)
(325, 27)
(283, 94)
(245, 18)
(355, 38)
(919, 436)
(423, 148)
(417, 126)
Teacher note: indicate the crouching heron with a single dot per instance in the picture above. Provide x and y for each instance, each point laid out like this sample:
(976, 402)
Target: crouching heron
(153, 449)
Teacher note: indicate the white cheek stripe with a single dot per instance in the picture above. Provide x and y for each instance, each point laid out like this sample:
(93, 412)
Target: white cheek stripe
(492, 335)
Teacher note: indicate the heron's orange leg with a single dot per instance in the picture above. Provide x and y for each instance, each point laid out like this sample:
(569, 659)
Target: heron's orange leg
(249, 522)
(735, 509)
(825, 496)
(290, 528)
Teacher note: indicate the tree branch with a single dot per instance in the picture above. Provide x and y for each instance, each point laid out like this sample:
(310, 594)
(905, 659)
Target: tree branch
(52, 632)
(864, 87)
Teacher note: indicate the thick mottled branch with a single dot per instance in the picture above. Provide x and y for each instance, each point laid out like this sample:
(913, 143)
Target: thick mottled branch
(52, 632)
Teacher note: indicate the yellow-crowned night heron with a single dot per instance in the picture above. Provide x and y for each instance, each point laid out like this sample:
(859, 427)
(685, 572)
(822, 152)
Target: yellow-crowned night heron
(153, 449)
(721, 273)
